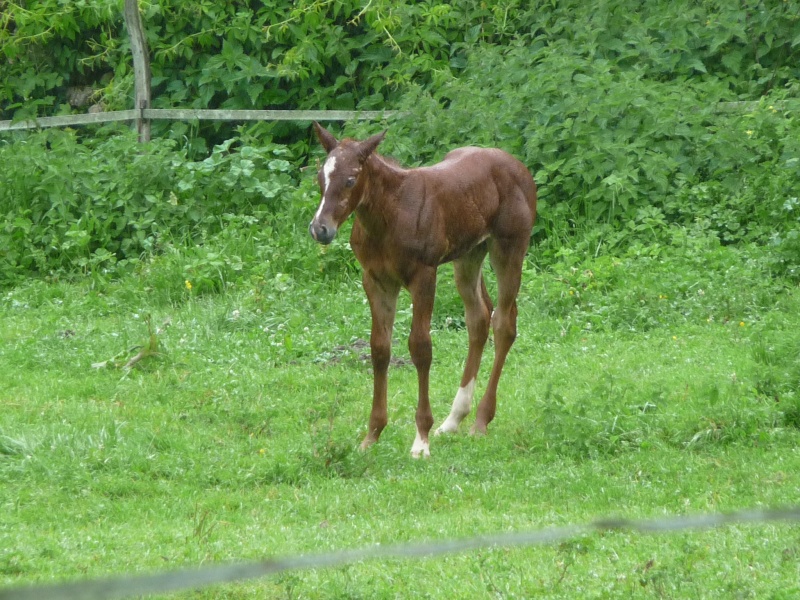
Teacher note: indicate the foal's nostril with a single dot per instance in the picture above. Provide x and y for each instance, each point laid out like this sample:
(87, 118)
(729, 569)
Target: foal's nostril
(323, 234)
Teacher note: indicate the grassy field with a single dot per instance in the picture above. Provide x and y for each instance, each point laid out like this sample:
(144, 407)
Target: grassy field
(651, 384)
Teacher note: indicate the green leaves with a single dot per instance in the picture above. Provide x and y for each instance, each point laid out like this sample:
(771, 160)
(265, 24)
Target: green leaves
(613, 107)
(225, 55)
(110, 201)
(616, 111)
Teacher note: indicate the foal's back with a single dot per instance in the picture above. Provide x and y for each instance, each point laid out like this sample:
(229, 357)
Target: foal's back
(472, 194)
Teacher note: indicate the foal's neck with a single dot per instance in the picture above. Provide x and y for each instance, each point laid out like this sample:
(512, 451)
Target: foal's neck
(378, 203)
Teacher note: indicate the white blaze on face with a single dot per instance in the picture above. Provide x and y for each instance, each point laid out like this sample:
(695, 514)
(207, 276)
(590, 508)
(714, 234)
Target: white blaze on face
(461, 407)
(327, 171)
(420, 448)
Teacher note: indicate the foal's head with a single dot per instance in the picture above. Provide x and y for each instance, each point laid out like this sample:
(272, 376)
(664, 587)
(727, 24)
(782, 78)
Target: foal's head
(340, 181)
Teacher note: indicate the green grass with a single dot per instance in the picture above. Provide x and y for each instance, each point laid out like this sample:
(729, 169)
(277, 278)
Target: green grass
(628, 393)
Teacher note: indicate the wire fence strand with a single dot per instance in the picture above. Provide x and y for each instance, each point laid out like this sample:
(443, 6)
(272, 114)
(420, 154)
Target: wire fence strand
(193, 578)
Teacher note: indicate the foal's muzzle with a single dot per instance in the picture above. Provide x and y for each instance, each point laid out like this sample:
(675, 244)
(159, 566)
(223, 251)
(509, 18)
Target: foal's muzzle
(322, 233)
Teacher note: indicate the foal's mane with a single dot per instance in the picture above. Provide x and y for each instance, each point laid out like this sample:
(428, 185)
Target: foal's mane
(388, 162)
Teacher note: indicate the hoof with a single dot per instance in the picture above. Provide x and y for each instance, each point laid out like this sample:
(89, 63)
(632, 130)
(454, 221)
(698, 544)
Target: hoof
(461, 408)
(447, 427)
(478, 429)
(416, 454)
(368, 441)
(420, 448)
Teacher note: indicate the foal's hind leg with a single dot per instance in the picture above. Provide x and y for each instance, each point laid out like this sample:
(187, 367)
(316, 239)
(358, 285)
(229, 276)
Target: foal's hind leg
(506, 256)
(478, 310)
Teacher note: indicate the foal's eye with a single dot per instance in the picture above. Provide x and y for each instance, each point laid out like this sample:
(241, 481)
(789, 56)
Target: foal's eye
(351, 181)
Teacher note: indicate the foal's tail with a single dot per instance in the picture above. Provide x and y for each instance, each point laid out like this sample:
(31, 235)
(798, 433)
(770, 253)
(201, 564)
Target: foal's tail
(487, 299)
(530, 191)
(527, 185)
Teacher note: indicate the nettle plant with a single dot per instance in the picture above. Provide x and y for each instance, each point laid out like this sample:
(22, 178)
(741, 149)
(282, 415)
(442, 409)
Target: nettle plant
(68, 205)
(632, 146)
(71, 205)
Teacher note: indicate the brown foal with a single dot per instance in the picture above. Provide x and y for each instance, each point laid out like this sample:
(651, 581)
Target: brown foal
(410, 221)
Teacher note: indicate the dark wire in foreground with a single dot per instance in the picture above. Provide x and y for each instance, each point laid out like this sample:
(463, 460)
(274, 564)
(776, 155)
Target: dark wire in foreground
(137, 585)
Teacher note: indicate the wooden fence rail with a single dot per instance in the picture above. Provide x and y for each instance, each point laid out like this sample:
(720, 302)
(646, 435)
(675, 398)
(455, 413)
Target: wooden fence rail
(189, 114)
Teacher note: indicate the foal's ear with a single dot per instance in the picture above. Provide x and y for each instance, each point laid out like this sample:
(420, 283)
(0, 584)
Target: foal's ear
(325, 138)
(368, 146)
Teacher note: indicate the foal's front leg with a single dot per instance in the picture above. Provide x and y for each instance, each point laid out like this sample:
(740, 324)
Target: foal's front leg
(382, 296)
(423, 290)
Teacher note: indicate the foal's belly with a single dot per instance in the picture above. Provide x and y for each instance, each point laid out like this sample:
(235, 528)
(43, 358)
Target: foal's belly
(463, 248)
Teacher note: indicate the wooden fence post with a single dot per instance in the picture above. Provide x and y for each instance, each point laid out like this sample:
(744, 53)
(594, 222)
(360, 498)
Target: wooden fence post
(141, 67)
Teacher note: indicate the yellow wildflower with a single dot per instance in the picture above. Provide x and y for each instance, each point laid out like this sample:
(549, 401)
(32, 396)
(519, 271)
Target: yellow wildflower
(188, 285)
